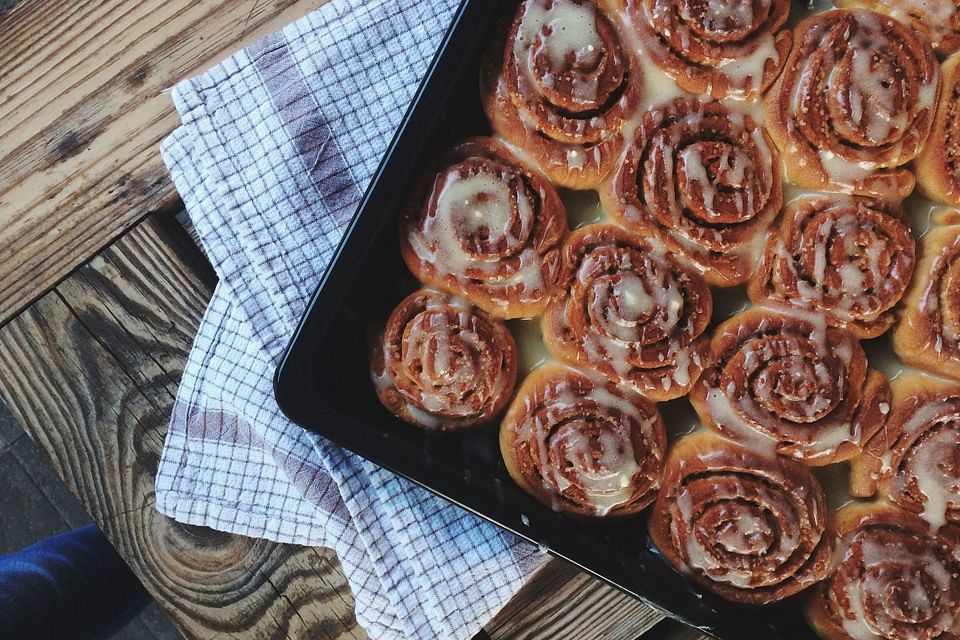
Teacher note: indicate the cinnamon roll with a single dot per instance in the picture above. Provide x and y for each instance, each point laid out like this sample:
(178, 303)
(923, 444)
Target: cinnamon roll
(928, 335)
(938, 167)
(868, 465)
(561, 87)
(896, 580)
(702, 179)
(922, 473)
(714, 47)
(748, 527)
(486, 228)
(583, 445)
(790, 385)
(855, 102)
(936, 20)
(442, 365)
(632, 313)
(848, 258)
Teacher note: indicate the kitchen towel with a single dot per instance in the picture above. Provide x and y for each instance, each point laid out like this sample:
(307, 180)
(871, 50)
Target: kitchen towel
(277, 145)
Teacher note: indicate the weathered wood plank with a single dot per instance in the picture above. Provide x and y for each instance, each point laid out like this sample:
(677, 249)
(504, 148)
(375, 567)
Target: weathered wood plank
(84, 103)
(90, 371)
(30, 485)
(563, 602)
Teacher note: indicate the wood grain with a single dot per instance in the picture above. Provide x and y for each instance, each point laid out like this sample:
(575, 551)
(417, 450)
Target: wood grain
(563, 602)
(84, 103)
(90, 370)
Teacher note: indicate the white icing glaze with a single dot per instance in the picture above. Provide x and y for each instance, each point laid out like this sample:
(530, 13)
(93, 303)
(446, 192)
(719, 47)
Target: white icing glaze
(748, 71)
(875, 576)
(730, 419)
(710, 30)
(872, 101)
(936, 16)
(478, 223)
(607, 480)
(939, 486)
(744, 532)
(567, 33)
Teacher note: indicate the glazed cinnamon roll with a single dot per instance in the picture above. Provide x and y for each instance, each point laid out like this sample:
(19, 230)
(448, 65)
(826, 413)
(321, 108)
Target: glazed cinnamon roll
(582, 445)
(848, 258)
(896, 580)
(791, 385)
(632, 313)
(855, 102)
(938, 168)
(443, 365)
(702, 179)
(936, 20)
(486, 228)
(561, 88)
(714, 47)
(922, 473)
(748, 527)
(868, 465)
(928, 335)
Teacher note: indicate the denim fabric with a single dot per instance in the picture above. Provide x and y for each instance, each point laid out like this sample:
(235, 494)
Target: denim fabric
(70, 587)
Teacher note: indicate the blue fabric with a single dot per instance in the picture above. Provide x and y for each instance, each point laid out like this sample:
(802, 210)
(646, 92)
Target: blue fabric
(70, 587)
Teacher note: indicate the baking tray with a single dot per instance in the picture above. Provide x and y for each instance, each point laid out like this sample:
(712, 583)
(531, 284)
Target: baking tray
(323, 382)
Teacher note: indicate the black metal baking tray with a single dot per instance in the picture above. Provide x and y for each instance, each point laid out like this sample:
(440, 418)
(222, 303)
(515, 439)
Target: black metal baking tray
(323, 382)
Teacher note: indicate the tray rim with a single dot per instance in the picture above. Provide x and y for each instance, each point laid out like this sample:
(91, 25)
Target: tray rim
(290, 383)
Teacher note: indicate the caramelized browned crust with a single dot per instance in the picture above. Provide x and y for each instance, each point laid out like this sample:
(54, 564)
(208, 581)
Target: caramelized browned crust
(632, 313)
(709, 49)
(867, 467)
(561, 87)
(748, 527)
(790, 385)
(921, 469)
(702, 179)
(855, 102)
(938, 167)
(485, 227)
(896, 579)
(936, 20)
(582, 445)
(850, 259)
(443, 365)
(928, 335)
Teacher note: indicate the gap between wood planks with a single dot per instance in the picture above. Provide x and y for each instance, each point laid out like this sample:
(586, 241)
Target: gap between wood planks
(101, 413)
(84, 104)
(91, 371)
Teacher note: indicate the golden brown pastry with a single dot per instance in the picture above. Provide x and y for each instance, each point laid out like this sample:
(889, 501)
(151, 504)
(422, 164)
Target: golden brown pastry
(855, 102)
(896, 580)
(562, 87)
(443, 365)
(583, 445)
(486, 228)
(632, 313)
(748, 527)
(848, 258)
(867, 466)
(938, 167)
(716, 48)
(928, 335)
(936, 20)
(791, 385)
(921, 471)
(702, 179)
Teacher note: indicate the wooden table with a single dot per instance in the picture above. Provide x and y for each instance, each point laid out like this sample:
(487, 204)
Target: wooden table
(101, 294)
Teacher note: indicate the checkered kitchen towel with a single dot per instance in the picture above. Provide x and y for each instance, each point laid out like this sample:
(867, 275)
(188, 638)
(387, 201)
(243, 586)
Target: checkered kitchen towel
(277, 145)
